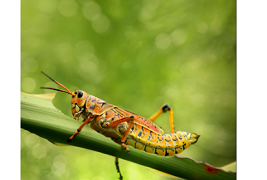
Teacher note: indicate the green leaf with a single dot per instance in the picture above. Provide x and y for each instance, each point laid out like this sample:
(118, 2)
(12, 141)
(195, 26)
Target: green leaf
(230, 167)
(39, 116)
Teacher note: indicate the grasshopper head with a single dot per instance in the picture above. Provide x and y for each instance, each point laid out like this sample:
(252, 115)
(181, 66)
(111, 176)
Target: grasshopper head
(78, 99)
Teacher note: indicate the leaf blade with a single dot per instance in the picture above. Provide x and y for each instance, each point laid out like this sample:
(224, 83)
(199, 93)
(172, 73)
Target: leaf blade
(39, 116)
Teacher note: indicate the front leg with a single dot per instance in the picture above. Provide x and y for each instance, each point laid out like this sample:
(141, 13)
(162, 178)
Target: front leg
(90, 118)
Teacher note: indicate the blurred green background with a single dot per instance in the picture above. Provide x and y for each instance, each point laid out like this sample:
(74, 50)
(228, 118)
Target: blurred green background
(137, 55)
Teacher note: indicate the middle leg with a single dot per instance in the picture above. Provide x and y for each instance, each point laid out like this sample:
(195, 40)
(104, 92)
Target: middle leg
(118, 121)
(117, 167)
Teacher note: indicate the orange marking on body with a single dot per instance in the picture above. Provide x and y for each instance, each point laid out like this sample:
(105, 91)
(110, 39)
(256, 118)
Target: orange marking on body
(149, 124)
(73, 100)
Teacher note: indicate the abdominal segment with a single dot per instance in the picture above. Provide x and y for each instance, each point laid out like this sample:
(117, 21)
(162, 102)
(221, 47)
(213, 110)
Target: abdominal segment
(160, 144)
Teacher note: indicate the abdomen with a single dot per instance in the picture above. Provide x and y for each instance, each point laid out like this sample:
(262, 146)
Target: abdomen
(160, 144)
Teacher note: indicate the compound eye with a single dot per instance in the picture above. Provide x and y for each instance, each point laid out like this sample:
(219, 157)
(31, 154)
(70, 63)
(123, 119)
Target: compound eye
(80, 94)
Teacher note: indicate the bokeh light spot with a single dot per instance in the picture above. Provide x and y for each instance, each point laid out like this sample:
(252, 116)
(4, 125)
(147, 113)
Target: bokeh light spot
(29, 65)
(59, 165)
(39, 151)
(100, 23)
(146, 14)
(202, 27)
(88, 66)
(29, 157)
(32, 140)
(84, 49)
(163, 41)
(28, 84)
(47, 6)
(178, 37)
(90, 10)
(68, 8)
(148, 11)
(87, 70)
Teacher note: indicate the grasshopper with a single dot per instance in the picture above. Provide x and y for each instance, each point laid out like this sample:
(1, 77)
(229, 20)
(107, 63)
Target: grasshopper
(125, 127)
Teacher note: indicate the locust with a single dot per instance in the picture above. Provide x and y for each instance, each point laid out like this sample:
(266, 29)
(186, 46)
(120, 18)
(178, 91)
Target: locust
(125, 127)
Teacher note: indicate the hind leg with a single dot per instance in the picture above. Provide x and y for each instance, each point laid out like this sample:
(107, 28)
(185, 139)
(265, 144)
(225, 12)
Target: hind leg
(164, 109)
